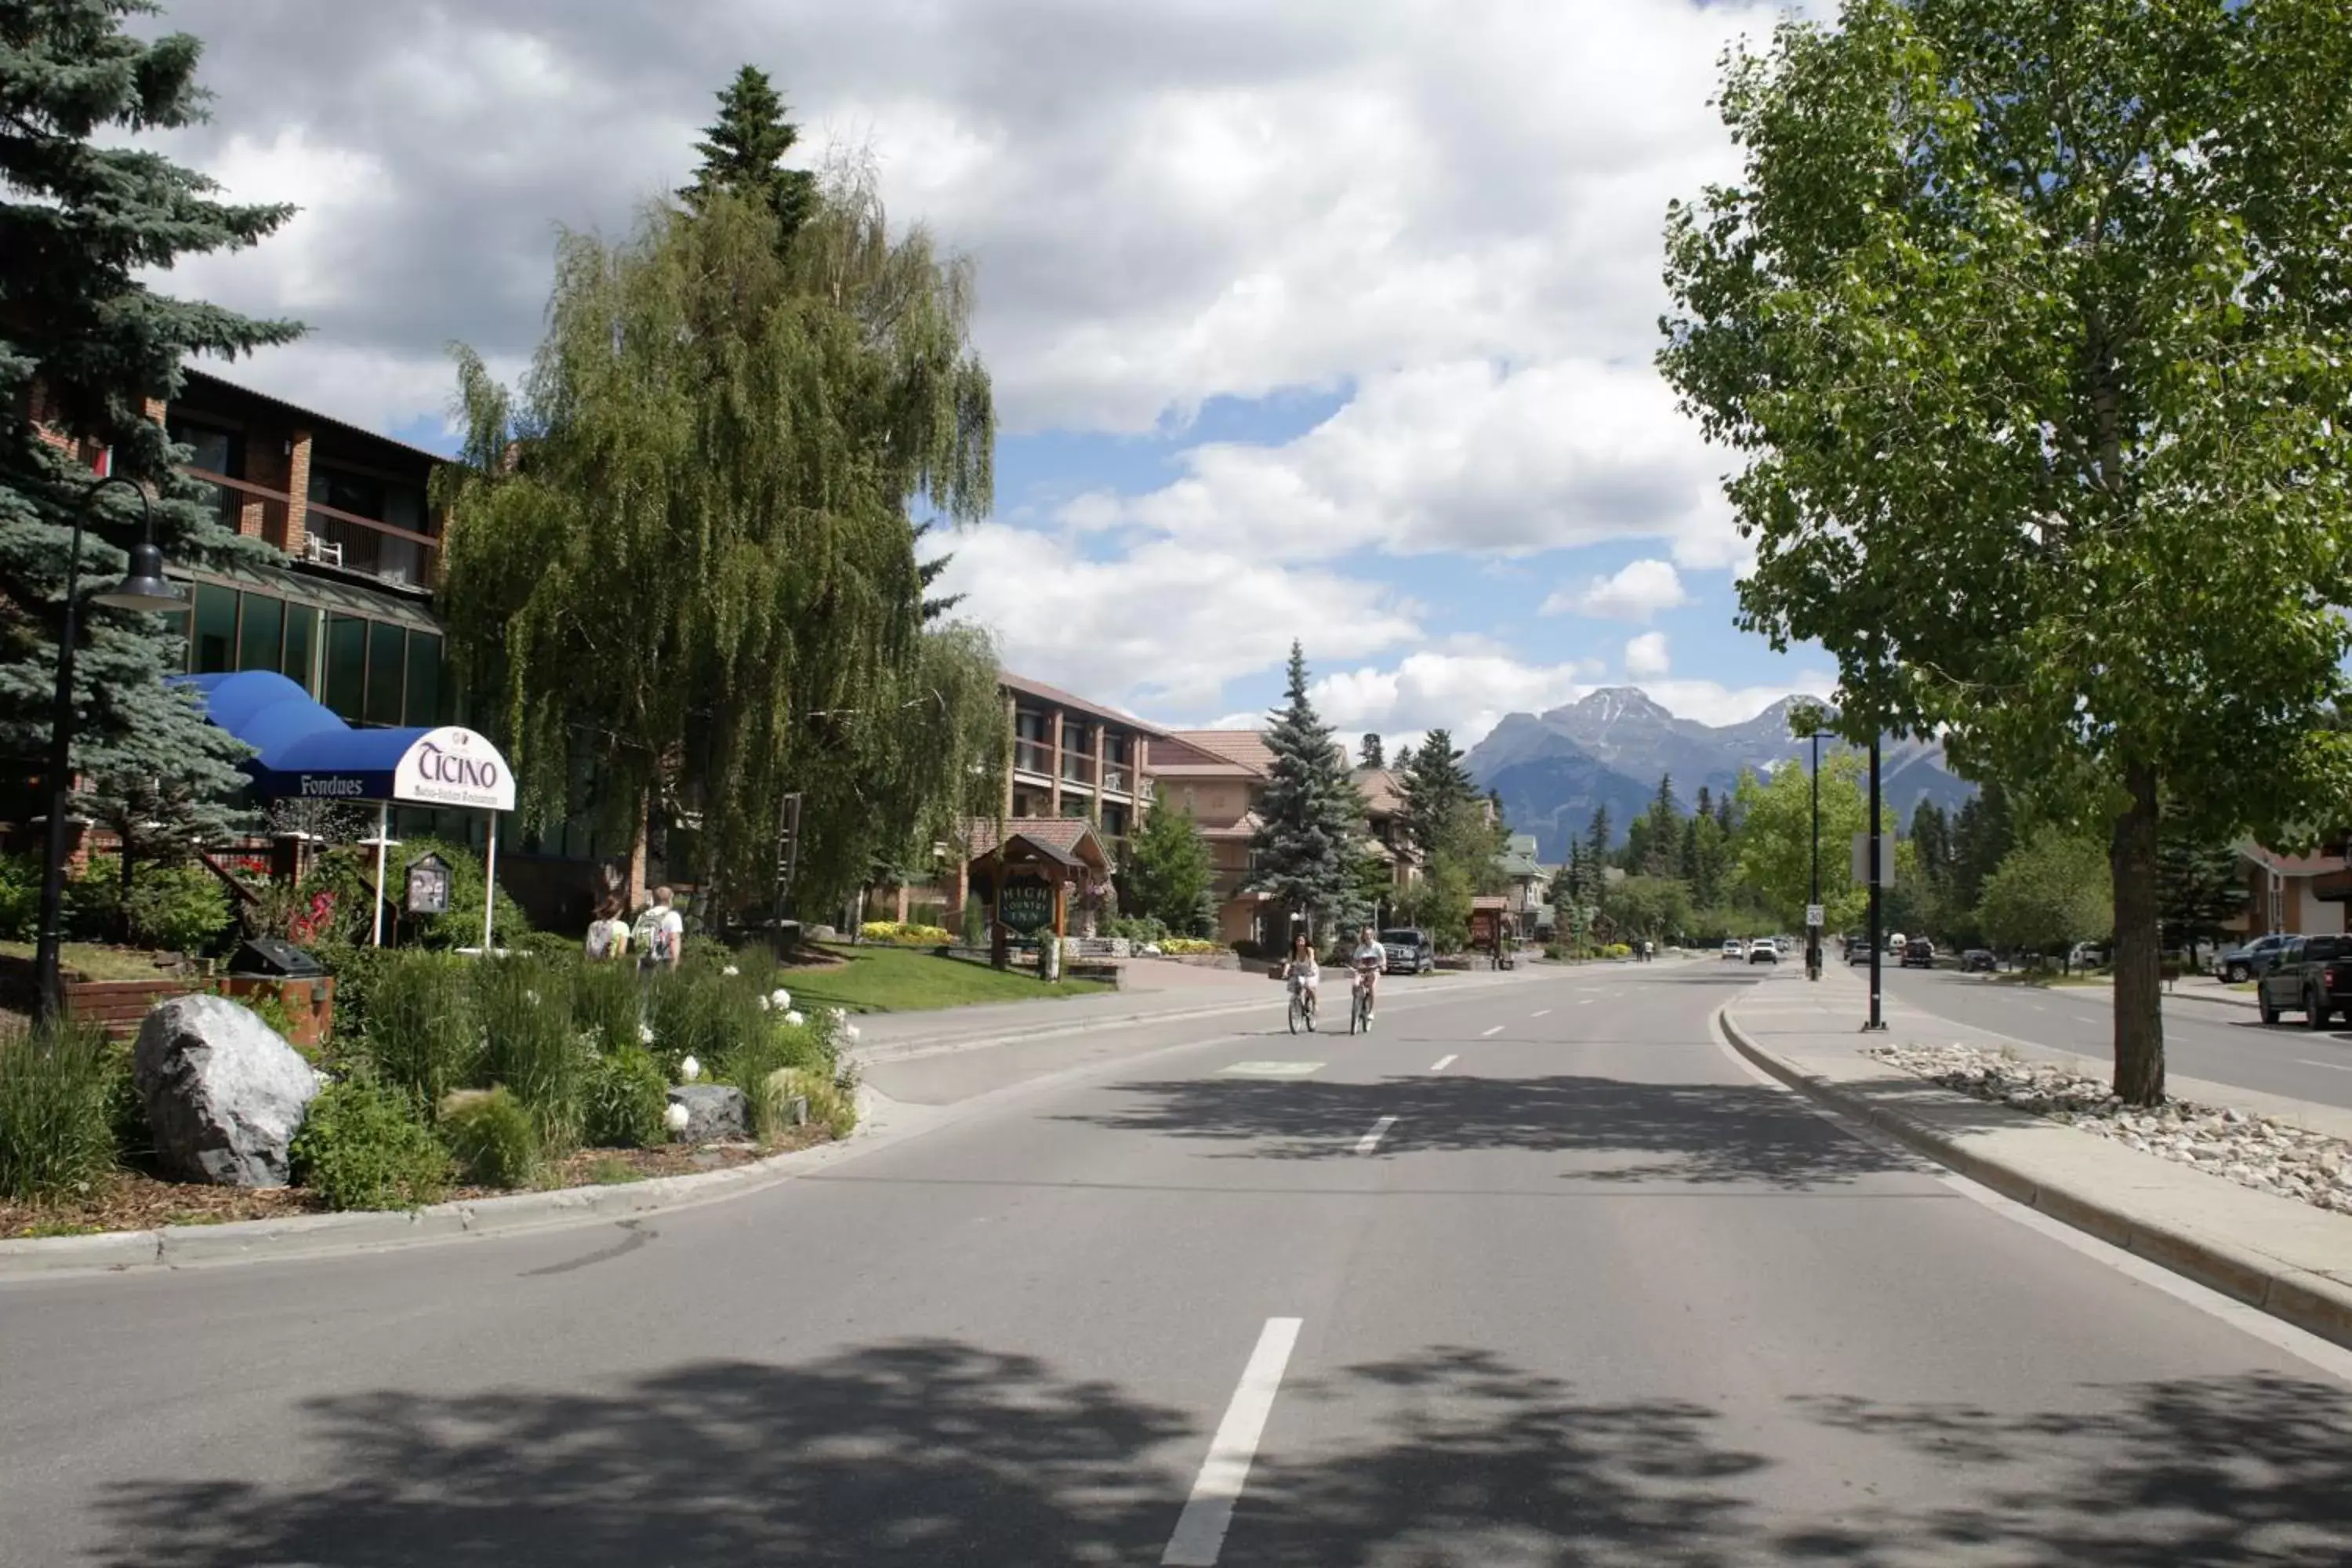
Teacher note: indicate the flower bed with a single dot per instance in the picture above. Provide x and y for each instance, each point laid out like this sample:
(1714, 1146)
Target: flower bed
(2255, 1152)
(905, 935)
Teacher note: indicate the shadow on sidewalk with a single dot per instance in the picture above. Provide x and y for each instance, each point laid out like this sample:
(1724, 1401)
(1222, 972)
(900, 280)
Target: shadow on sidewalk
(940, 1452)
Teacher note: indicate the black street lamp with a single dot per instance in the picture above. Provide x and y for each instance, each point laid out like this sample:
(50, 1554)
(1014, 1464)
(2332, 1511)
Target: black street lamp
(144, 589)
(1813, 932)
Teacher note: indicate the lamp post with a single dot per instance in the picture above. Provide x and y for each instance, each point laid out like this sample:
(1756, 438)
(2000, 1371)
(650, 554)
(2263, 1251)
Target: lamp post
(1813, 931)
(144, 589)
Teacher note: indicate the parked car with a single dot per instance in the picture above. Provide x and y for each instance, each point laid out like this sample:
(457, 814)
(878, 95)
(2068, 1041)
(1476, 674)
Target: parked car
(1918, 953)
(1734, 948)
(2253, 959)
(2313, 976)
(2087, 955)
(1410, 951)
(1763, 951)
(1977, 961)
(1857, 950)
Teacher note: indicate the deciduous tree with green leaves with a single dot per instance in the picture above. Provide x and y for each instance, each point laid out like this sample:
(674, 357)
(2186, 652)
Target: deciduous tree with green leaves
(1773, 851)
(84, 343)
(2034, 327)
(685, 551)
(2050, 893)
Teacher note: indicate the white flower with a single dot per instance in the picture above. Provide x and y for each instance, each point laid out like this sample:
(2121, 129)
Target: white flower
(645, 1034)
(531, 997)
(779, 997)
(838, 1015)
(765, 1003)
(689, 1069)
(849, 1033)
(675, 1118)
(794, 1019)
(730, 972)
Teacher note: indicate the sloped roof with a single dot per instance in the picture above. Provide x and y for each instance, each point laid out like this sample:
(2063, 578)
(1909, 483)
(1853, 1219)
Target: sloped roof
(1067, 839)
(1244, 748)
(1383, 791)
(1021, 685)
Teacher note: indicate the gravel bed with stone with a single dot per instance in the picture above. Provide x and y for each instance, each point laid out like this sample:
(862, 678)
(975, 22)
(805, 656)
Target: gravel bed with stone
(2256, 1152)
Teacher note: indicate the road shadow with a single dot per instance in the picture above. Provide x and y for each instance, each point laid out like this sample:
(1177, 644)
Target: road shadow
(2180, 1474)
(941, 1453)
(1743, 1133)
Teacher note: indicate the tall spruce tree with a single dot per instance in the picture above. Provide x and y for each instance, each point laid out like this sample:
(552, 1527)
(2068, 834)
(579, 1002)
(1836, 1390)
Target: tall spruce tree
(2198, 889)
(743, 153)
(1596, 838)
(1368, 754)
(83, 345)
(1436, 789)
(1308, 814)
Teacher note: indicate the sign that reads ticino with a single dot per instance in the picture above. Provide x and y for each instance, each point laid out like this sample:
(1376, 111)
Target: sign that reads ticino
(454, 767)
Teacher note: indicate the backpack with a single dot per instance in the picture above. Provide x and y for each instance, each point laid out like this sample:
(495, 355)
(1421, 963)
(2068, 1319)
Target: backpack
(652, 937)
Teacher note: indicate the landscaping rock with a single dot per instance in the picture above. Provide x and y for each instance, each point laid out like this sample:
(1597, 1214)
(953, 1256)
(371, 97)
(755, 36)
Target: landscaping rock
(223, 1092)
(714, 1112)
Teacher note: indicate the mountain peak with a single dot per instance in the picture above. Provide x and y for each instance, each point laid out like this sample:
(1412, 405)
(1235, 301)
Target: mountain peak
(1610, 704)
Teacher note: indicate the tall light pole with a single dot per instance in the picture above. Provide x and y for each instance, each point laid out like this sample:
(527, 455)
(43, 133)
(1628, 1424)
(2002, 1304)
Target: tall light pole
(144, 589)
(1813, 928)
(1877, 1019)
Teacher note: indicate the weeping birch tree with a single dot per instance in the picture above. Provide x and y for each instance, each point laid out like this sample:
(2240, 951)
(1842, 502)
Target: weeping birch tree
(682, 552)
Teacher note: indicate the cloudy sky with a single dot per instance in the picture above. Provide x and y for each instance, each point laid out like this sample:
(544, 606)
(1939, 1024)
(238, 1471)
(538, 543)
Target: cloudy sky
(1320, 321)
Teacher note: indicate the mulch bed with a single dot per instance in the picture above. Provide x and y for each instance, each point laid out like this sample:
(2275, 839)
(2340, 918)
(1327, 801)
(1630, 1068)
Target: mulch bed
(133, 1200)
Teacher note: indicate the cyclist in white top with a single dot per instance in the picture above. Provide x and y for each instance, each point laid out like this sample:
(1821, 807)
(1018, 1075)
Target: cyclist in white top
(1301, 971)
(1368, 959)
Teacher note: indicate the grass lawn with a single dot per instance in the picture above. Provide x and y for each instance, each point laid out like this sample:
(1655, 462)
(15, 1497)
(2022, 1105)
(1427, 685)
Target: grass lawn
(901, 980)
(96, 960)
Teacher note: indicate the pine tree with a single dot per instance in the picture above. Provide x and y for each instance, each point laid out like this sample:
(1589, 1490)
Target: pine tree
(89, 218)
(1435, 790)
(744, 151)
(1368, 752)
(1596, 838)
(1663, 851)
(1168, 871)
(1305, 842)
(1403, 762)
(2199, 889)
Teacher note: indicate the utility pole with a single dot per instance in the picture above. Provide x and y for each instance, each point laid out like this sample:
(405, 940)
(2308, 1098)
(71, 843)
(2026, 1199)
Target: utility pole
(1813, 928)
(1878, 1020)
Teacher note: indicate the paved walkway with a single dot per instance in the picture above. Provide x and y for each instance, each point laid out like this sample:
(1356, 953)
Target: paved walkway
(2278, 1254)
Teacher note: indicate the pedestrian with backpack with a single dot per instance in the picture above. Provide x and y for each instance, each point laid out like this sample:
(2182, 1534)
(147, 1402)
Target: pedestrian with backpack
(661, 933)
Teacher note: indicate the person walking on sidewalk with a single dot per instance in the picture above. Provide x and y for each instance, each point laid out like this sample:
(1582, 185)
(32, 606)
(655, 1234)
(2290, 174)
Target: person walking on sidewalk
(660, 934)
(608, 935)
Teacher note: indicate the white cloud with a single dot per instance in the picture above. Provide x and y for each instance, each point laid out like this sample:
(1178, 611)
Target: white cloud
(1165, 628)
(1637, 592)
(1467, 456)
(1646, 655)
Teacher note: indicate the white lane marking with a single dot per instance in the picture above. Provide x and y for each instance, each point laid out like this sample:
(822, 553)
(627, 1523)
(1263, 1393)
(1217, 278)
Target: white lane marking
(1540, 1012)
(2329, 1357)
(1490, 1034)
(2339, 1067)
(1209, 1512)
(1587, 1002)
(1372, 1140)
(2037, 1007)
(1271, 1069)
(1442, 1063)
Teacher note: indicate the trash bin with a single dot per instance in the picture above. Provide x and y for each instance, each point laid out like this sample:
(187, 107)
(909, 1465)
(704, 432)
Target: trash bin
(268, 956)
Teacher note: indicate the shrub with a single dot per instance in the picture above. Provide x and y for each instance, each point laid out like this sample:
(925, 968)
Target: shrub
(707, 1014)
(493, 1137)
(975, 924)
(271, 1009)
(1188, 944)
(93, 902)
(59, 1101)
(830, 1104)
(627, 1097)
(1137, 928)
(530, 1045)
(552, 945)
(20, 896)
(608, 1006)
(753, 1059)
(701, 951)
(1617, 949)
(423, 1036)
(905, 935)
(178, 908)
(364, 1145)
(348, 871)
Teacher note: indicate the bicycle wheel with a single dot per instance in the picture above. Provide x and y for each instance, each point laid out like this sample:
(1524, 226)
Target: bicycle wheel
(1298, 1011)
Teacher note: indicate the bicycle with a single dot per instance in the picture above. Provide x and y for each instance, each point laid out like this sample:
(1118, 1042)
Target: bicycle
(1302, 1008)
(1359, 1009)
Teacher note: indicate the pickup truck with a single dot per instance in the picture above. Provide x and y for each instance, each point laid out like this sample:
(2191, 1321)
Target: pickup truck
(2313, 977)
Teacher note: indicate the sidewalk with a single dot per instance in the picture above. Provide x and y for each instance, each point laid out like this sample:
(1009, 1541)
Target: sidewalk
(2284, 1257)
(2187, 988)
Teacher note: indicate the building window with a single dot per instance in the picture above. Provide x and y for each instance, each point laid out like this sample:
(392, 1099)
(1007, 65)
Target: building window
(346, 666)
(262, 634)
(216, 630)
(387, 661)
(424, 704)
(301, 628)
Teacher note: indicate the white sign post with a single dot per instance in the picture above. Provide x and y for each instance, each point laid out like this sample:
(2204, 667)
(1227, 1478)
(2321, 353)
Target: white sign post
(1813, 915)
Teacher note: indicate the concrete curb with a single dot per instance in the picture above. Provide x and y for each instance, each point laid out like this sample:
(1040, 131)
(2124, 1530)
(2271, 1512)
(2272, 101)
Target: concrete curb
(2314, 1303)
(327, 1234)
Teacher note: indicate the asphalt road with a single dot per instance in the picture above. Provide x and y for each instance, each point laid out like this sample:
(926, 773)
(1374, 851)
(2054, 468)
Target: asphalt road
(1536, 1274)
(2201, 1039)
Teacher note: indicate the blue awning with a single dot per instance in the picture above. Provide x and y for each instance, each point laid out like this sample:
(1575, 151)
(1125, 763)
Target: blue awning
(302, 749)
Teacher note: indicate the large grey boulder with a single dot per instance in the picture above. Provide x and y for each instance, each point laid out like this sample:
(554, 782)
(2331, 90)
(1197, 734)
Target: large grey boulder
(714, 1112)
(223, 1092)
